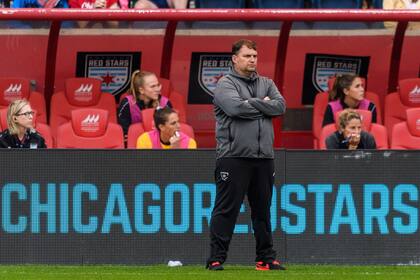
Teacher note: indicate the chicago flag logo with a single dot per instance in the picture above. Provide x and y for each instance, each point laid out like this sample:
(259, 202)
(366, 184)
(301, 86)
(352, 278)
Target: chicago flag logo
(211, 69)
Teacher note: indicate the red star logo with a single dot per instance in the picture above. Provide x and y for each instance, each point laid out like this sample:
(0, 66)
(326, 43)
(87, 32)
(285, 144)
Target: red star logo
(107, 79)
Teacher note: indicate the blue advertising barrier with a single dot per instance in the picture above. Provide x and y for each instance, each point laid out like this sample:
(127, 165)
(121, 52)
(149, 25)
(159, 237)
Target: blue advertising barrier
(147, 207)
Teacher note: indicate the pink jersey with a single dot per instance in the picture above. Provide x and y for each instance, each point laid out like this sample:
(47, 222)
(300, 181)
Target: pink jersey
(88, 4)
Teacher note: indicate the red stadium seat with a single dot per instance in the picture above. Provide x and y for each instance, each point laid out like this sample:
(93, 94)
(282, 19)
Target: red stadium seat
(188, 130)
(320, 105)
(3, 119)
(378, 131)
(179, 102)
(80, 93)
(147, 117)
(18, 88)
(90, 128)
(406, 134)
(134, 131)
(396, 103)
(167, 87)
(42, 128)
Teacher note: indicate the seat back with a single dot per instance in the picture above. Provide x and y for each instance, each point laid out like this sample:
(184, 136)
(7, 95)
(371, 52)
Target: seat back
(239, 4)
(167, 87)
(20, 88)
(396, 103)
(334, 4)
(320, 105)
(90, 128)
(147, 118)
(134, 131)
(406, 134)
(325, 132)
(3, 119)
(45, 131)
(80, 93)
(188, 130)
(179, 102)
(283, 4)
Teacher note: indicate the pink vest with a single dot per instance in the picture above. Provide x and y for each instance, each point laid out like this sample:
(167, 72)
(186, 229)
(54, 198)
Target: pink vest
(336, 105)
(155, 139)
(135, 111)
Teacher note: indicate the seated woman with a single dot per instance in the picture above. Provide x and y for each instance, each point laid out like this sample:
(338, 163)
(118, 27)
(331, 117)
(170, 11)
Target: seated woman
(145, 93)
(20, 132)
(167, 134)
(350, 135)
(347, 92)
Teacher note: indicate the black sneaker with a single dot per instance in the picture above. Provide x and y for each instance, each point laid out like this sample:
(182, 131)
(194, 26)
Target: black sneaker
(274, 265)
(214, 266)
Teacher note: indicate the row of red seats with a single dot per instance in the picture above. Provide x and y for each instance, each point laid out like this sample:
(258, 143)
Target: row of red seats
(399, 119)
(87, 115)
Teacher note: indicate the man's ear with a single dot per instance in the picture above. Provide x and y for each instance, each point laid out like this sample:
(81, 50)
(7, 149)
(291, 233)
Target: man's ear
(234, 58)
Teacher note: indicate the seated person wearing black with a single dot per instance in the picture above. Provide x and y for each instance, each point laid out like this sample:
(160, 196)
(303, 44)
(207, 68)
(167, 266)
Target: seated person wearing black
(347, 92)
(350, 135)
(20, 132)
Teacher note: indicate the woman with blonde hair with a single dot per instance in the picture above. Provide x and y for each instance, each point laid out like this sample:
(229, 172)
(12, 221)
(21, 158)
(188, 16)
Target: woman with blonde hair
(350, 135)
(145, 93)
(20, 132)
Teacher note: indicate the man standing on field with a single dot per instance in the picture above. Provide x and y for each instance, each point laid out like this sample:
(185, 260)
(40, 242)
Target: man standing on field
(244, 104)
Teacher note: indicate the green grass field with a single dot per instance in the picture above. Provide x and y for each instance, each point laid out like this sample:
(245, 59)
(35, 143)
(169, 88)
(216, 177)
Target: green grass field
(298, 272)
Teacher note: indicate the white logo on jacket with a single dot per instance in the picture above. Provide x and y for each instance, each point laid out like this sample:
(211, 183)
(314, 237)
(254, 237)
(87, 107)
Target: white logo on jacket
(224, 175)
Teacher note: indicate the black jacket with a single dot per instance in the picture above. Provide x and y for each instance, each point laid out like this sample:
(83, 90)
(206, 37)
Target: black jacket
(337, 141)
(31, 140)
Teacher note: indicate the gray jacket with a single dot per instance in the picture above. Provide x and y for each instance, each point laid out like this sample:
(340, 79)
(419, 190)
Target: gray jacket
(243, 118)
